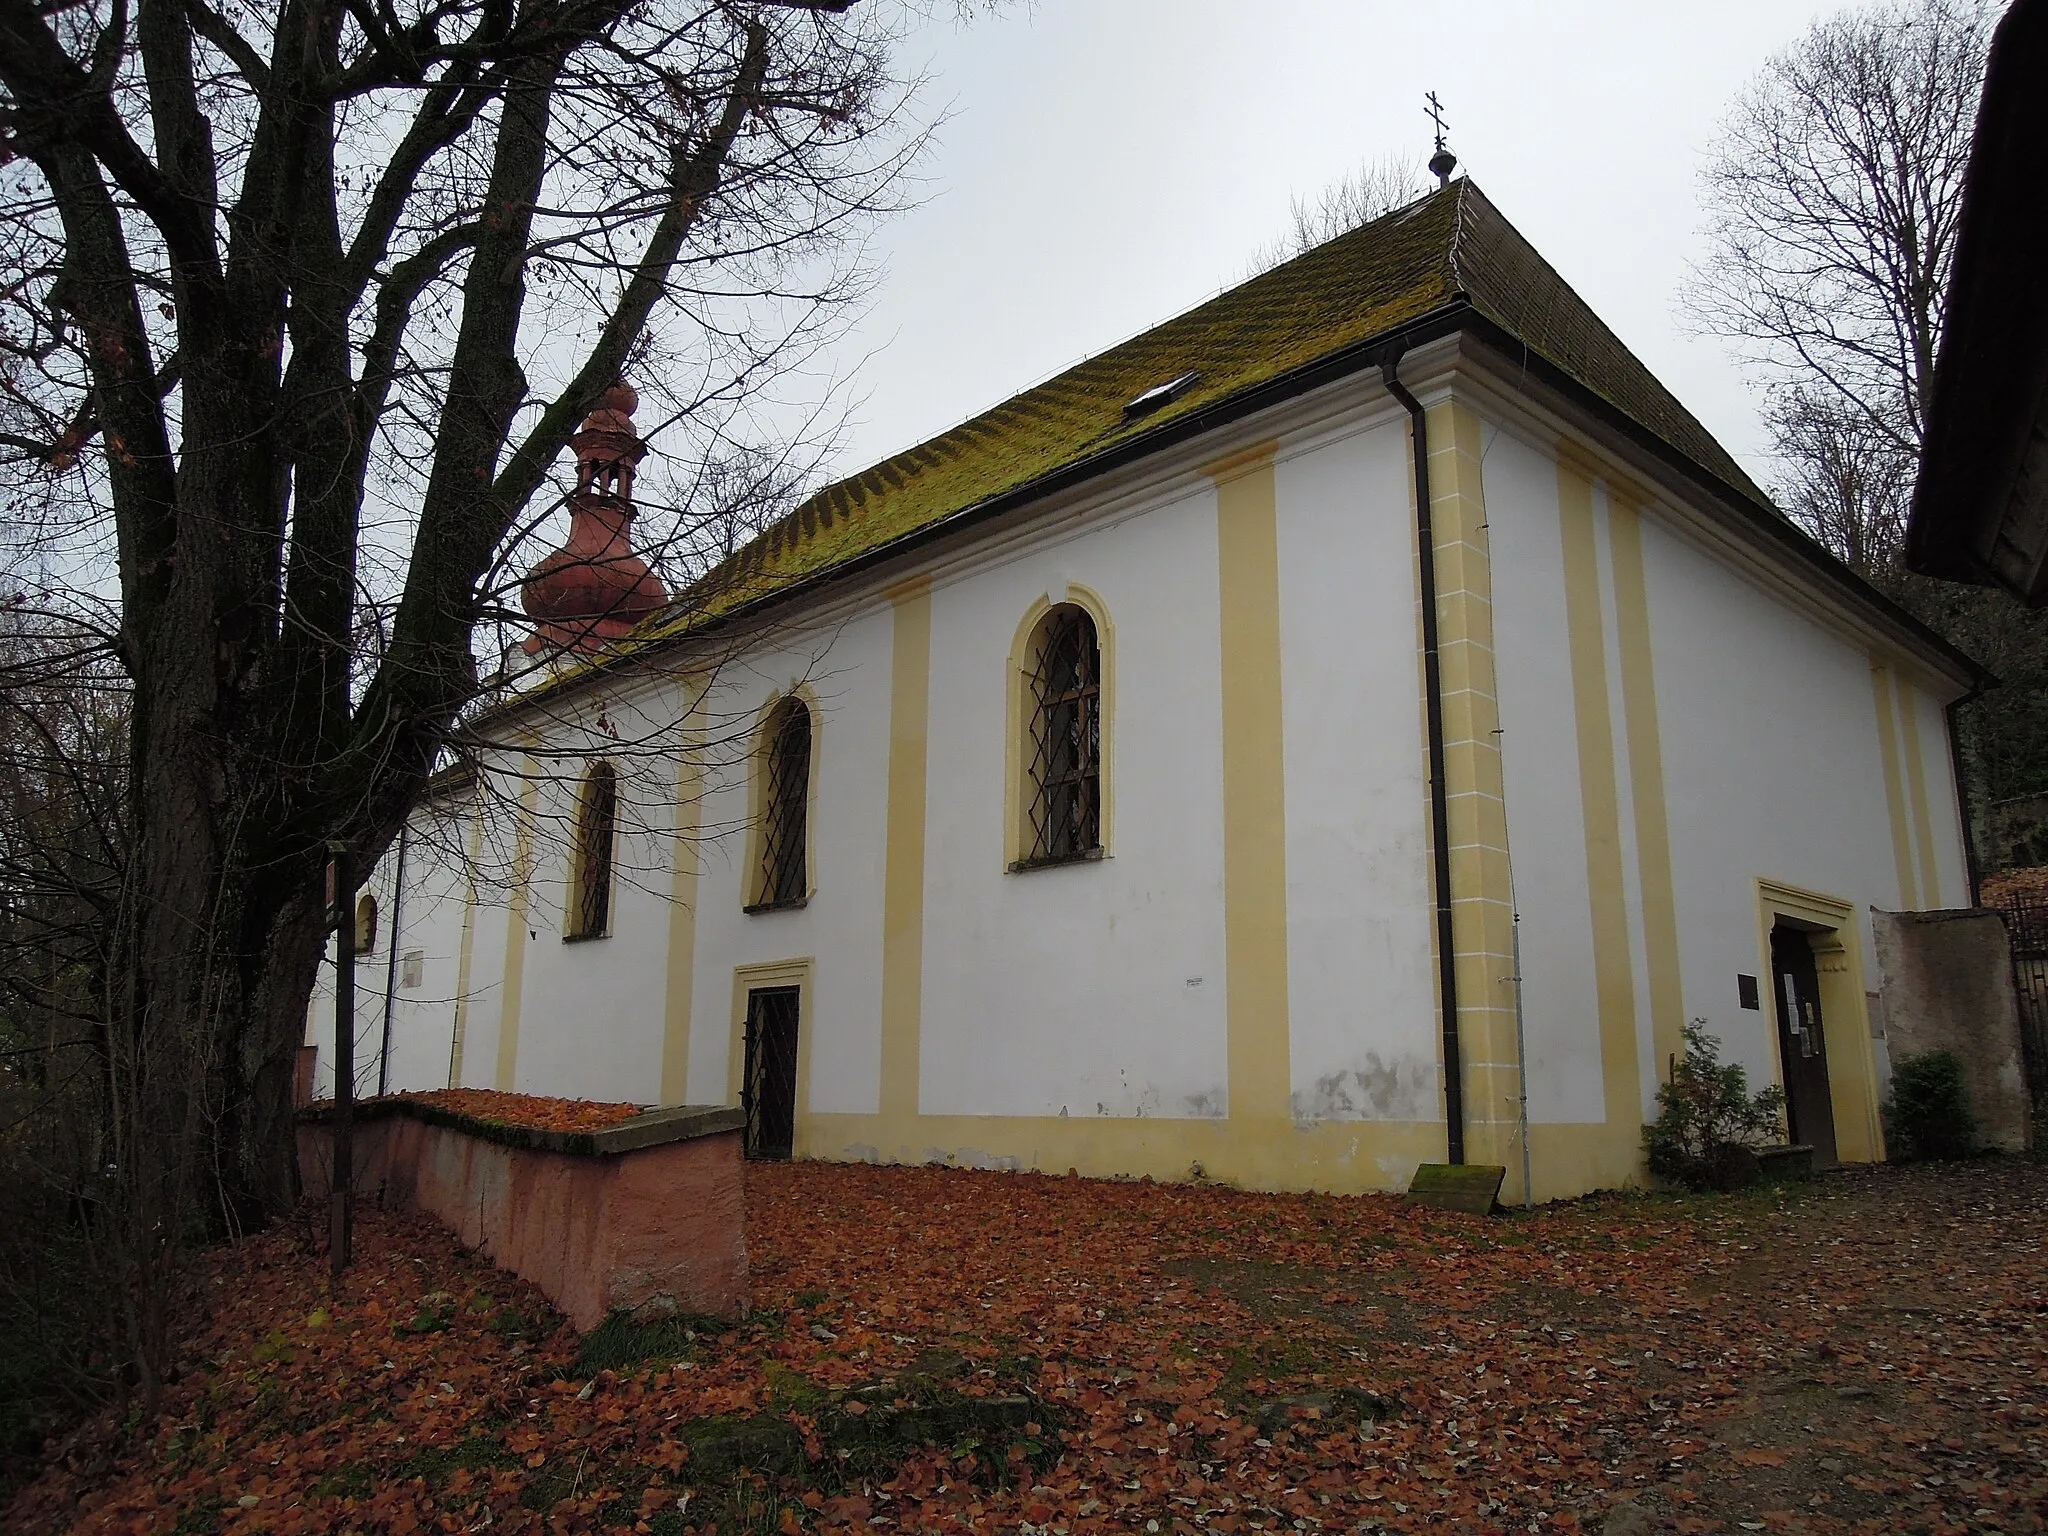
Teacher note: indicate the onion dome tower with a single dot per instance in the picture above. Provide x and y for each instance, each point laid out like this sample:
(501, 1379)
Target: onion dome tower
(594, 589)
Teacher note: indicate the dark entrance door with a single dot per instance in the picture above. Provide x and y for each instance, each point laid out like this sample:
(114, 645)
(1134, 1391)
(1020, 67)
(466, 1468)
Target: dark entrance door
(768, 1086)
(1802, 1046)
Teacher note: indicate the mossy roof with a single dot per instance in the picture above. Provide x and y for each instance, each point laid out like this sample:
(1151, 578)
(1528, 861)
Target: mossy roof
(1450, 246)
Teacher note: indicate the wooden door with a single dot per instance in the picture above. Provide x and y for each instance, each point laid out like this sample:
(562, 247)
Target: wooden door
(1802, 1044)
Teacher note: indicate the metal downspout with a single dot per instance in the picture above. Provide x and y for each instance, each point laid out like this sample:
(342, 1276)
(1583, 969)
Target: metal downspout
(1439, 793)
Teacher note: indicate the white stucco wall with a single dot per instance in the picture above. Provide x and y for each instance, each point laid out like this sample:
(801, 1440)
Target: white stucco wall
(1773, 769)
(429, 926)
(1361, 986)
(484, 1001)
(846, 669)
(1541, 774)
(1944, 874)
(591, 1011)
(1093, 988)
(428, 920)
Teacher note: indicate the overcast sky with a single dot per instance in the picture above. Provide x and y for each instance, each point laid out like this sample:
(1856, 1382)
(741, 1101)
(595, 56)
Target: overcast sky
(1109, 163)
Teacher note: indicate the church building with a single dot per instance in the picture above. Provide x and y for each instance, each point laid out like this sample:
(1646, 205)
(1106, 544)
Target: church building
(1358, 723)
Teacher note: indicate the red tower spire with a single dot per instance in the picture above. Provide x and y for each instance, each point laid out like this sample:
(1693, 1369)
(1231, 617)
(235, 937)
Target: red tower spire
(594, 589)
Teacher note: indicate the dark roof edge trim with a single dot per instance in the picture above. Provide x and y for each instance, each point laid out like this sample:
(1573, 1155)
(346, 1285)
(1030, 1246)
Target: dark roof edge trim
(1787, 536)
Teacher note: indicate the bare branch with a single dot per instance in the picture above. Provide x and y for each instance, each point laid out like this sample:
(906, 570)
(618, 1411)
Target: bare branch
(1833, 198)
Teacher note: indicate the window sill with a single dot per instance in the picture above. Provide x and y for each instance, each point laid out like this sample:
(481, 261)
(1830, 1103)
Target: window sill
(776, 906)
(584, 938)
(1053, 861)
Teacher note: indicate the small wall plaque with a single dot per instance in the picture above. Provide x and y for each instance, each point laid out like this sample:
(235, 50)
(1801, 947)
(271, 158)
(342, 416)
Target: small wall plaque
(1745, 988)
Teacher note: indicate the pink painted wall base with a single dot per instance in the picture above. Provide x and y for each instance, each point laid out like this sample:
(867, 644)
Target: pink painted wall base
(647, 1217)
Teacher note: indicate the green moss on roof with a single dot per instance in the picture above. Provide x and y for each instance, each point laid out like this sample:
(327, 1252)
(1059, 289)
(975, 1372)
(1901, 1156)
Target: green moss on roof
(1452, 245)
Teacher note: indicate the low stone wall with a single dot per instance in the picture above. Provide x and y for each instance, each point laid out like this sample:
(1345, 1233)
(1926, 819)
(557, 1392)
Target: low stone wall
(645, 1217)
(1948, 986)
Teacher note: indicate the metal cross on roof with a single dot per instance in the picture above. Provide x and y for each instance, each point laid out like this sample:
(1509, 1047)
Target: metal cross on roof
(1443, 162)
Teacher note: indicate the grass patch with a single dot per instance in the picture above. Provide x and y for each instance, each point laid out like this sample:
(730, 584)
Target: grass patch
(435, 1314)
(356, 1480)
(792, 1391)
(440, 1462)
(746, 1467)
(747, 1506)
(619, 1342)
(201, 1518)
(865, 1442)
(511, 1324)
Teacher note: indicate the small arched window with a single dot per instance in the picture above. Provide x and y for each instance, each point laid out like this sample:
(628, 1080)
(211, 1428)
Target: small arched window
(597, 825)
(783, 876)
(1063, 762)
(366, 924)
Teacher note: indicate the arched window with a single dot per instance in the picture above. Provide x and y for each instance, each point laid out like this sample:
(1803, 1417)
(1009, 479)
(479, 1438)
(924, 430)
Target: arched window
(783, 876)
(597, 825)
(1062, 789)
(366, 924)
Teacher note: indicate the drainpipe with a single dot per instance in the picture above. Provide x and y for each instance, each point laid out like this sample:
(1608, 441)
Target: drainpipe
(1439, 793)
(391, 960)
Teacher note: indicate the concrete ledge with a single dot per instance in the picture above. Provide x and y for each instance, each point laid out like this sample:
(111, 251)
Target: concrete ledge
(651, 1129)
(645, 1217)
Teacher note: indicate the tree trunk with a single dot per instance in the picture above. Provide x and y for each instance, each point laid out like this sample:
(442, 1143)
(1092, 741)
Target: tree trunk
(228, 926)
(266, 1149)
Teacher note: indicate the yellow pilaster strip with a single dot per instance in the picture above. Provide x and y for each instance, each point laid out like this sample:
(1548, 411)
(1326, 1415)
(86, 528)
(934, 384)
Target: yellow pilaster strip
(1482, 905)
(682, 905)
(462, 964)
(1646, 775)
(1894, 793)
(1254, 787)
(515, 926)
(1599, 798)
(910, 685)
(1916, 789)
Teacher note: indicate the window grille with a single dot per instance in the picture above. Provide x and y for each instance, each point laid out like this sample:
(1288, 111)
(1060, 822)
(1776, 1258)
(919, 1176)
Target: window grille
(768, 1087)
(785, 873)
(597, 823)
(1065, 775)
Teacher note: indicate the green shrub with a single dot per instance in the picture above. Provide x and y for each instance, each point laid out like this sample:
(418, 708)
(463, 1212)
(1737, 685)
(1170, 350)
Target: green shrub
(1707, 1119)
(1929, 1111)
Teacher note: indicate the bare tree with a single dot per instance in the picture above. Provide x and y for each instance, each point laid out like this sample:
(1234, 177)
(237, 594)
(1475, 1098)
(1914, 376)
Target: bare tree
(1378, 186)
(299, 306)
(63, 713)
(1840, 478)
(1832, 200)
(1833, 197)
